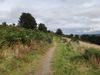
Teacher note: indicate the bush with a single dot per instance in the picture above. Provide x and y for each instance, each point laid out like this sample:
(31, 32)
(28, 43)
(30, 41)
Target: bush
(75, 40)
(93, 57)
(92, 52)
(11, 35)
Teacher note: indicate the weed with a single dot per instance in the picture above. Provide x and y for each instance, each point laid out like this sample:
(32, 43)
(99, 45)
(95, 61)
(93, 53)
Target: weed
(71, 58)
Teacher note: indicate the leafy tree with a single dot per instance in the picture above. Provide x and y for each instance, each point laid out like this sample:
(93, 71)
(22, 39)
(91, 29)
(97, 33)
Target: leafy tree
(13, 24)
(71, 35)
(42, 27)
(77, 36)
(49, 31)
(59, 31)
(91, 38)
(26, 20)
(4, 23)
(85, 37)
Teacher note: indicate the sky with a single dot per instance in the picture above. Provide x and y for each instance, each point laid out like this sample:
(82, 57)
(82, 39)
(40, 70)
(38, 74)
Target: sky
(72, 16)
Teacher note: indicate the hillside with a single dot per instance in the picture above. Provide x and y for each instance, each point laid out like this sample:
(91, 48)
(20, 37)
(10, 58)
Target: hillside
(20, 49)
(33, 52)
(76, 58)
(49, 37)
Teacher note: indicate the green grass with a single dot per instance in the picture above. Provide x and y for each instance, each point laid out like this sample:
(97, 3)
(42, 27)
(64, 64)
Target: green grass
(21, 48)
(22, 65)
(69, 59)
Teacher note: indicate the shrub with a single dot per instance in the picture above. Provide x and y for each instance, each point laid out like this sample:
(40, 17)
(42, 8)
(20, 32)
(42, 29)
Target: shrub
(93, 56)
(10, 35)
(75, 40)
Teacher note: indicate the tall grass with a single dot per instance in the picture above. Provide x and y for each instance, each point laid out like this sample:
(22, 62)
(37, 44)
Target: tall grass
(72, 59)
(20, 49)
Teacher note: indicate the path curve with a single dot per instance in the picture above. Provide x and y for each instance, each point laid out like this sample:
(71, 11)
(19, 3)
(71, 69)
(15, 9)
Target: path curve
(44, 65)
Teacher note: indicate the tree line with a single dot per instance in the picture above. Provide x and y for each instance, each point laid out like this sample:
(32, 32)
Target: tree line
(91, 38)
(85, 37)
(26, 20)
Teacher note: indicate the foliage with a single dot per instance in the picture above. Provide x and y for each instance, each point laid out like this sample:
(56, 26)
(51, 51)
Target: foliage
(20, 48)
(74, 59)
(4, 23)
(75, 40)
(77, 36)
(92, 55)
(42, 27)
(71, 35)
(93, 38)
(91, 52)
(59, 31)
(11, 35)
(26, 20)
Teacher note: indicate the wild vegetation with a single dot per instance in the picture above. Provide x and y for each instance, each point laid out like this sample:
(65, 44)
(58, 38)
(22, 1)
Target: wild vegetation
(71, 58)
(19, 46)
(27, 21)
(22, 45)
(85, 37)
(59, 31)
(91, 38)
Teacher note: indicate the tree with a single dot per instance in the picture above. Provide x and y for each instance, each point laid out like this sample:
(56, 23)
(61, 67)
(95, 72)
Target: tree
(85, 37)
(4, 23)
(77, 36)
(13, 24)
(71, 35)
(91, 38)
(42, 27)
(59, 31)
(26, 20)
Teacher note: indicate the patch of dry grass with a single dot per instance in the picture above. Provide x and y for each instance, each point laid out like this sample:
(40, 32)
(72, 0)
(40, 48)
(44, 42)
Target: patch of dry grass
(20, 59)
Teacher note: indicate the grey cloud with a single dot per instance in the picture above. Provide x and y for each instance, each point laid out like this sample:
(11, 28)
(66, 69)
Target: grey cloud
(2, 0)
(73, 16)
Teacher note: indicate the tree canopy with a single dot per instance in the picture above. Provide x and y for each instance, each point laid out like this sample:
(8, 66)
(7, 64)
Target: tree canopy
(26, 20)
(59, 31)
(91, 38)
(77, 36)
(4, 23)
(42, 27)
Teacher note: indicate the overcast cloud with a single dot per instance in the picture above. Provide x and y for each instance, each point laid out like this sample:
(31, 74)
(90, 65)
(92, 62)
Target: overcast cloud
(72, 16)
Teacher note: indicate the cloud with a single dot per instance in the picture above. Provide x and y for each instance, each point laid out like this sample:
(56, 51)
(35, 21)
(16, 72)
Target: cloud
(92, 30)
(2, 0)
(73, 16)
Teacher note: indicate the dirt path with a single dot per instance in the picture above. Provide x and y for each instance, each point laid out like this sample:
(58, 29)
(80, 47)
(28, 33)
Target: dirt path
(44, 65)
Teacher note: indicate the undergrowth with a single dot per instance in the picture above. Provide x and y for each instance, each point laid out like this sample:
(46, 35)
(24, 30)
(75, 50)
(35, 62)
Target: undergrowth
(70, 58)
(20, 49)
(11, 34)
